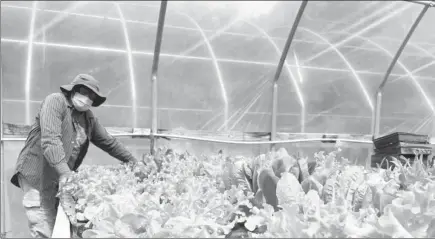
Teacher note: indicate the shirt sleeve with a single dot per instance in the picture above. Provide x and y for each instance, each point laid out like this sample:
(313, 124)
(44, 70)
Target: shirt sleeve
(51, 132)
(103, 140)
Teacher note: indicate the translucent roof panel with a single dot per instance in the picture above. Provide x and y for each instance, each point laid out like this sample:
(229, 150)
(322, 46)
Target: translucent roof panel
(218, 60)
(413, 93)
(354, 44)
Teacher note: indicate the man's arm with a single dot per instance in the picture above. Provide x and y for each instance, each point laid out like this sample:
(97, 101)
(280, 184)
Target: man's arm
(51, 128)
(103, 140)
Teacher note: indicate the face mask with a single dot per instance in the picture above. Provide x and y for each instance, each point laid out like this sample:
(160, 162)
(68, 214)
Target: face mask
(81, 102)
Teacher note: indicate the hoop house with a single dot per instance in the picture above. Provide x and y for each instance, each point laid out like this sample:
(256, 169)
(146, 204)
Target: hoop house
(238, 76)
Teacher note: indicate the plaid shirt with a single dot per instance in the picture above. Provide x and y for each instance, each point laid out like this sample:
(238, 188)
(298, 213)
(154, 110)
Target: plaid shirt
(50, 143)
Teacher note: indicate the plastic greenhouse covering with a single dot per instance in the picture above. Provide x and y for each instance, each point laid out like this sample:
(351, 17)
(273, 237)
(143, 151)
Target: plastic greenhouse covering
(216, 69)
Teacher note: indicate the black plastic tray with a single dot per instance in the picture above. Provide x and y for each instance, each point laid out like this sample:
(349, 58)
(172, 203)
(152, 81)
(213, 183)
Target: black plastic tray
(396, 138)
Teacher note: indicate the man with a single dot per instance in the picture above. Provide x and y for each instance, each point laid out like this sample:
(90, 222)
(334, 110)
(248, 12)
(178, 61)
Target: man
(55, 147)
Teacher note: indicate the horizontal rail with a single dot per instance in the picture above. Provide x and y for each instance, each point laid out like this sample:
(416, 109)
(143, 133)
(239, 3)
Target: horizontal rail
(257, 142)
(231, 141)
(15, 132)
(242, 142)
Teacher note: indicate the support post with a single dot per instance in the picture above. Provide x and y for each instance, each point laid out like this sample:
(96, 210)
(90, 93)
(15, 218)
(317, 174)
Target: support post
(377, 111)
(2, 162)
(154, 78)
(279, 69)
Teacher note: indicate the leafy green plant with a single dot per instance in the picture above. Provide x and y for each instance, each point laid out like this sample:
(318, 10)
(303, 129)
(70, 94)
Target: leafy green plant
(181, 195)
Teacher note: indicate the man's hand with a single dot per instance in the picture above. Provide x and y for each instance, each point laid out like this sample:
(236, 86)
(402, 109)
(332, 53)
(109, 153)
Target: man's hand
(65, 199)
(64, 178)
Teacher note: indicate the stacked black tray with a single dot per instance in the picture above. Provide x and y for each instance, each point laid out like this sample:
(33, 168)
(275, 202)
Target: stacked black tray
(400, 144)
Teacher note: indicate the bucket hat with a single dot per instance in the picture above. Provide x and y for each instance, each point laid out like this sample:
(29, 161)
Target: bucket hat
(91, 83)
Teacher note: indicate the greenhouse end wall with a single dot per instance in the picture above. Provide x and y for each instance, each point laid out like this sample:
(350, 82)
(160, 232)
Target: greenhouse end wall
(220, 58)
